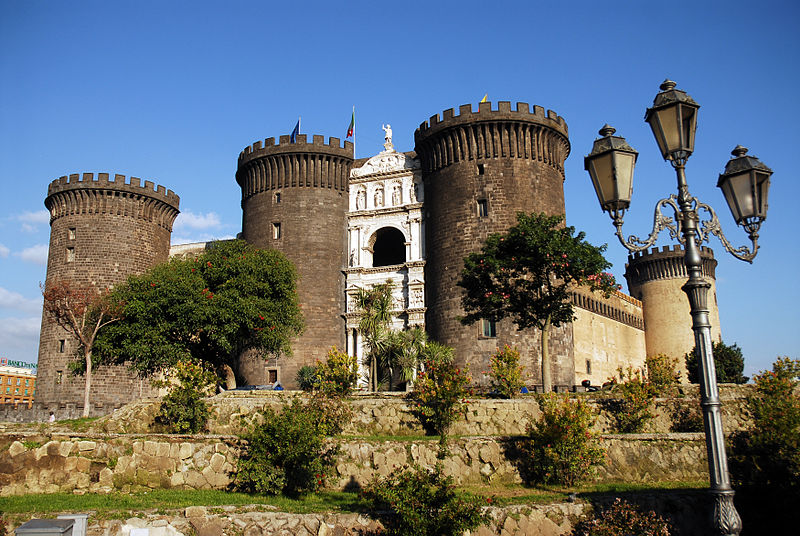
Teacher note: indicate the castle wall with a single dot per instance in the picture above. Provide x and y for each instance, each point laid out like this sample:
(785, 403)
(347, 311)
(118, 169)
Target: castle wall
(608, 333)
(656, 278)
(101, 231)
(295, 199)
(480, 169)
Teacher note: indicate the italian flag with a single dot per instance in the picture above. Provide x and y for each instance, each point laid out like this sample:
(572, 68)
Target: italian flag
(351, 128)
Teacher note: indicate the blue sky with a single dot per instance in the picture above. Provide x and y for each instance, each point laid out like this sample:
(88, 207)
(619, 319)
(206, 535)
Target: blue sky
(173, 91)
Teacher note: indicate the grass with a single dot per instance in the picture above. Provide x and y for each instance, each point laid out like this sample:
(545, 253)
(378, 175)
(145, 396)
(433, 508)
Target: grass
(107, 505)
(50, 503)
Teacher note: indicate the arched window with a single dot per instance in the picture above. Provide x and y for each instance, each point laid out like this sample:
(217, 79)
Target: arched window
(389, 247)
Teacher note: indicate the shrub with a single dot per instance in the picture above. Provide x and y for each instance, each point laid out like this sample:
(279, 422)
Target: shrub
(623, 519)
(728, 362)
(183, 410)
(632, 402)
(338, 374)
(560, 446)
(768, 455)
(505, 372)
(413, 501)
(662, 373)
(686, 416)
(307, 377)
(439, 397)
(287, 453)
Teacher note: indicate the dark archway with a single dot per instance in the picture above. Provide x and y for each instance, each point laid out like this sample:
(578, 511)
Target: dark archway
(389, 247)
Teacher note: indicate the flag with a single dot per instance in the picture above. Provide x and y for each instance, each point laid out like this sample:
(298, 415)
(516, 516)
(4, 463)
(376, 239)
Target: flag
(295, 132)
(352, 127)
(485, 97)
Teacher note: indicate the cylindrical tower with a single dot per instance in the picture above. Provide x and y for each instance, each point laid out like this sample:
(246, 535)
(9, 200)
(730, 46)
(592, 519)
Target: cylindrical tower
(294, 199)
(656, 278)
(480, 169)
(101, 231)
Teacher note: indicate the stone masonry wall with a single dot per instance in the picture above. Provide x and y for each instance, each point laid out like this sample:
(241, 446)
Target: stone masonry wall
(32, 462)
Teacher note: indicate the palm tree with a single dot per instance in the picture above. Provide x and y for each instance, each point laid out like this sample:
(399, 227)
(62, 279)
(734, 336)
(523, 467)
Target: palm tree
(375, 305)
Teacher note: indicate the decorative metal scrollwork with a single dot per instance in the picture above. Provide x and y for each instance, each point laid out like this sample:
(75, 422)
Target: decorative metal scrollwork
(660, 222)
(712, 226)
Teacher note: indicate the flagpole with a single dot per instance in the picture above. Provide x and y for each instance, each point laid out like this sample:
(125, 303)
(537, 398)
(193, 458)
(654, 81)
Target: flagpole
(354, 132)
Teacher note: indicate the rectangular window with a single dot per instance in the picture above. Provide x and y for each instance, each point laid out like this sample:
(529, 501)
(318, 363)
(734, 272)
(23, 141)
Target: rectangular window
(276, 231)
(273, 375)
(19, 380)
(26, 383)
(488, 328)
(59, 376)
(277, 198)
(588, 367)
(483, 208)
(26, 392)
(61, 344)
(481, 169)
(70, 254)
(71, 233)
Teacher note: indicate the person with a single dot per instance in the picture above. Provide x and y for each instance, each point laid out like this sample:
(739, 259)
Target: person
(52, 417)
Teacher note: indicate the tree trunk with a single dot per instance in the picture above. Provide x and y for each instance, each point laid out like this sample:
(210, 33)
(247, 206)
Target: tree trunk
(88, 384)
(373, 374)
(547, 378)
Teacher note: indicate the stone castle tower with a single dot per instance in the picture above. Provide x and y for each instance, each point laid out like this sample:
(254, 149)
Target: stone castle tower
(480, 169)
(295, 200)
(101, 230)
(656, 278)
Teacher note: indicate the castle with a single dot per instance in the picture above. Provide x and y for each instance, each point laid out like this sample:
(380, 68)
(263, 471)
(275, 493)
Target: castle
(409, 217)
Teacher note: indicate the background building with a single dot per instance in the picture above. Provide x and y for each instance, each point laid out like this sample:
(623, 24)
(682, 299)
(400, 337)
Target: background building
(17, 382)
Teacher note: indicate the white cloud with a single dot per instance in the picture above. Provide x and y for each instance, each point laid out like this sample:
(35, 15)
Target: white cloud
(19, 338)
(4, 251)
(13, 300)
(36, 254)
(32, 220)
(189, 220)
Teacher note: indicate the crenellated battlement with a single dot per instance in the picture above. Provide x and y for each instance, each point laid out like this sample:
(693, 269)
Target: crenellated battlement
(120, 183)
(503, 112)
(270, 166)
(665, 263)
(489, 133)
(87, 194)
(334, 146)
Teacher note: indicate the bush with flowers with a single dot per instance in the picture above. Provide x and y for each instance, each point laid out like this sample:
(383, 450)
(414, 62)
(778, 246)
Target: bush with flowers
(631, 402)
(338, 374)
(414, 501)
(506, 372)
(287, 452)
(439, 397)
(183, 409)
(623, 519)
(560, 446)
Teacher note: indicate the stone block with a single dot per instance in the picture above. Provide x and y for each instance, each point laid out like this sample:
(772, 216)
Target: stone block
(86, 445)
(186, 451)
(150, 447)
(195, 511)
(16, 449)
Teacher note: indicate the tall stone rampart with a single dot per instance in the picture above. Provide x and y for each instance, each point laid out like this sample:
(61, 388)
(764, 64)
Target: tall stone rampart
(101, 231)
(480, 168)
(295, 200)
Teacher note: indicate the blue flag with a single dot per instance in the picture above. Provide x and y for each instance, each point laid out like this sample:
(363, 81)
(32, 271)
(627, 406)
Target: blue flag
(295, 132)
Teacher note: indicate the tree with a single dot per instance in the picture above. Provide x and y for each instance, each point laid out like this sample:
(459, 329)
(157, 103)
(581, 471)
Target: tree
(528, 273)
(209, 309)
(82, 311)
(375, 306)
(728, 362)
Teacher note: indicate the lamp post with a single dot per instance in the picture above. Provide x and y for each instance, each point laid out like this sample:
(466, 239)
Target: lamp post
(745, 183)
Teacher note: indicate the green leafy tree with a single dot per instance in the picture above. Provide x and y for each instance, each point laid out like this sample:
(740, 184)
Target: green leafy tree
(83, 312)
(528, 274)
(728, 362)
(210, 308)
(630, 403)
(414, 501)
(623, 519)
(662, 373)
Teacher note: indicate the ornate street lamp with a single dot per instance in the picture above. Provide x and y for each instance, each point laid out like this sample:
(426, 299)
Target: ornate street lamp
(745, 182)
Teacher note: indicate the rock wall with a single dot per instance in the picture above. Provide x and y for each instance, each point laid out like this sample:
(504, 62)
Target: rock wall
(35, 463)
